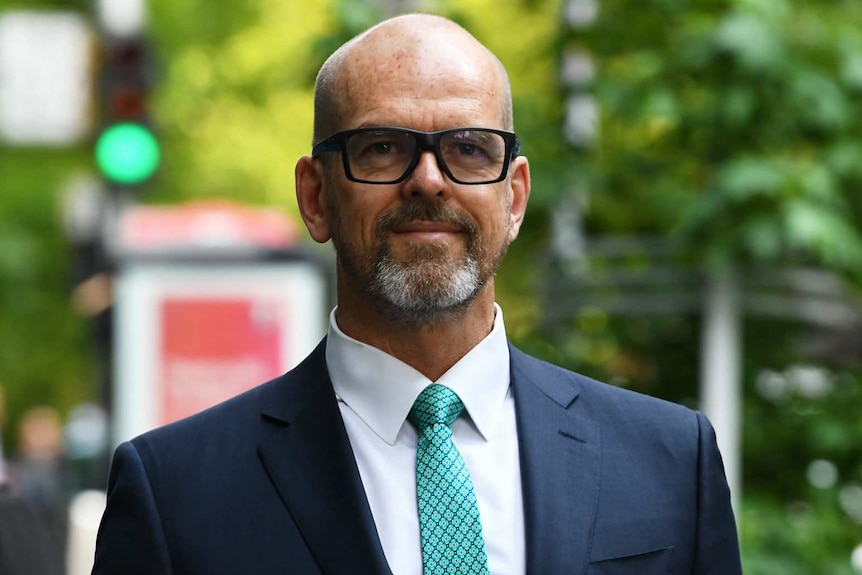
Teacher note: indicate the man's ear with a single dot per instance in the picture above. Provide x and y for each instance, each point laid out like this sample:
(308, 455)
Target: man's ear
(311, 199)
(520, 195)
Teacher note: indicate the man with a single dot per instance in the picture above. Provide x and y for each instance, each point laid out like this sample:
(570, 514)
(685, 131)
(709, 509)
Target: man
(339, 466)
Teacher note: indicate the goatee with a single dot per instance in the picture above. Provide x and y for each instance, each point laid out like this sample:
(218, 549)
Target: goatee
(427, 283)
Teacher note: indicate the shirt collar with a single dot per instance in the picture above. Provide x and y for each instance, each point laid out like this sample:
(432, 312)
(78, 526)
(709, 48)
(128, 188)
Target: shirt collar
(381, 389)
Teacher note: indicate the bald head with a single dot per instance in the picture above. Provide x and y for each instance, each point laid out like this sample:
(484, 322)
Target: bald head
(405, 54)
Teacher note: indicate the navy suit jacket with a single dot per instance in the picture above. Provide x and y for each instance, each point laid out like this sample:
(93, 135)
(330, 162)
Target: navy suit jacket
(614, 482)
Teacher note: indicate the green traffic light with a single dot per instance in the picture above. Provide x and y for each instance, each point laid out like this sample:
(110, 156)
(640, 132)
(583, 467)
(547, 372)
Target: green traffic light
(127, 153)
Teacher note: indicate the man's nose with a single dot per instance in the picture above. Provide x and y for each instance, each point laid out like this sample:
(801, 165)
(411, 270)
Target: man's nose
(427, 177)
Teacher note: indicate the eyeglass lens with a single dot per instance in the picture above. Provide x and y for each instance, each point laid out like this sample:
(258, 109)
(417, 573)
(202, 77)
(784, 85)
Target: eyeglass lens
(386, 155)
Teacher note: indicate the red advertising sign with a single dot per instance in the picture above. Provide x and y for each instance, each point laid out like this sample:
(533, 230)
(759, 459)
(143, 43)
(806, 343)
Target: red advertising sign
(190, 335)
(213, 349)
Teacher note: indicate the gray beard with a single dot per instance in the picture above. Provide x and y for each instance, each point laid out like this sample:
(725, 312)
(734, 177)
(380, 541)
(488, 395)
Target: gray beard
(433, 284)
(424, 292)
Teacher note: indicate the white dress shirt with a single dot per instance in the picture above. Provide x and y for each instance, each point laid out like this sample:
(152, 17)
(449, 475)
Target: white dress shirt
(375, 392)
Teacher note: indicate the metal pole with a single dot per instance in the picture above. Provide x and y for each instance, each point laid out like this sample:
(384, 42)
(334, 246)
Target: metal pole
(721, 386)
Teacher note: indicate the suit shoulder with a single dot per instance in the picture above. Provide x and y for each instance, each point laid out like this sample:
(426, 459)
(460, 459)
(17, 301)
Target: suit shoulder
(213, 421)
(239, 412)
(567, 386)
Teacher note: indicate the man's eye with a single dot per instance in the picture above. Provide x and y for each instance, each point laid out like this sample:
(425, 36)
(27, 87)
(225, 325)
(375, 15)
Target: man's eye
(381, 147)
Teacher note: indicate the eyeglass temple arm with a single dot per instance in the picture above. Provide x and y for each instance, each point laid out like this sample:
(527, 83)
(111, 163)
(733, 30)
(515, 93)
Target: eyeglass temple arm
(516, 149)
(327, 145)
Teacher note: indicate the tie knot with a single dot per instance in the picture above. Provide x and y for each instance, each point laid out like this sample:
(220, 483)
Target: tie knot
(436, 404)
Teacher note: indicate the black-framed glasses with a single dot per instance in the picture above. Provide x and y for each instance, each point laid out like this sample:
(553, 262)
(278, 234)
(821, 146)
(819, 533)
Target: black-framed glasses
(387, 155)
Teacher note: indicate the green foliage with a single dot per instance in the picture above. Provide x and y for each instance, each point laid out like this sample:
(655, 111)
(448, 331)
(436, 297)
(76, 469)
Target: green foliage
(799, 538)
(234, 101)
(735, 124)
(797, 519)
(78, 5)
(44, 353)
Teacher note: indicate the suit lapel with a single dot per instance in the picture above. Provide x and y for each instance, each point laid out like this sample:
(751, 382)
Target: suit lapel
(560, 465)
(307, 454)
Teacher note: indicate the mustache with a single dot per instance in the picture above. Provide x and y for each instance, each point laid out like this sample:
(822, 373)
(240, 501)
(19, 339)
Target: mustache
(427, 211)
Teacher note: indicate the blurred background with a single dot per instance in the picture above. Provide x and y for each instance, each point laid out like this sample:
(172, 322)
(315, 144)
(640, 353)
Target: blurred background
(694, 233)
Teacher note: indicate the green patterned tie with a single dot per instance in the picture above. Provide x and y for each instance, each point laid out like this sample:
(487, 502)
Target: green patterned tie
(449, 523)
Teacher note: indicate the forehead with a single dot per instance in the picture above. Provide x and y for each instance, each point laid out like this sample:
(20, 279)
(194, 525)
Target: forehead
(425, 82)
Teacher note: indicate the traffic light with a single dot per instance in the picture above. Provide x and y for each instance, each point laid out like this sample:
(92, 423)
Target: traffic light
(127, 151)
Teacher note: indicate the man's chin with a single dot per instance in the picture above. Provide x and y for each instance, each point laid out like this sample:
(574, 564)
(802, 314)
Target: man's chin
(418, 271)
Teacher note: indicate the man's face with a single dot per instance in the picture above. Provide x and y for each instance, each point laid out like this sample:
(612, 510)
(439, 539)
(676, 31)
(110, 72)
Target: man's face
(425, 247)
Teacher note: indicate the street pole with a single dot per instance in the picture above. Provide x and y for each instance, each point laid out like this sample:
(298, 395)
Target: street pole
(721, 368)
